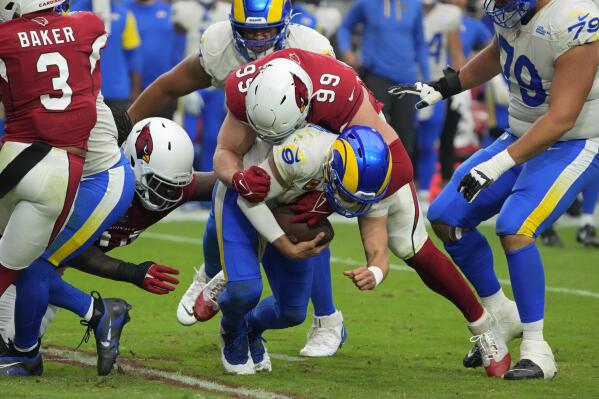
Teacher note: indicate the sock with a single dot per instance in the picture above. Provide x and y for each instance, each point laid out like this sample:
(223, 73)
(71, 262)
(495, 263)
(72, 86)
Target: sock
(494, 302)
(589, 198)
(585, 219)
(528, 282)
(480, 325)
(64, 295)
(31, 303)
(236, 301)
(473, 256)
(533, 331)
(322, 288)
(441, 276)
(30, 352)
(7, 277)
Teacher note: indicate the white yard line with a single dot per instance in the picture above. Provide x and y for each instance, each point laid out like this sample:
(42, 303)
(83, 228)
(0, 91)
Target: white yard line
(71, 356)
(353, 262)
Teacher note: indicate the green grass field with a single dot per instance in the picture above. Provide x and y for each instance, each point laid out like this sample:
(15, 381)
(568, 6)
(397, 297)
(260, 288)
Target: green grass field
(403, 340)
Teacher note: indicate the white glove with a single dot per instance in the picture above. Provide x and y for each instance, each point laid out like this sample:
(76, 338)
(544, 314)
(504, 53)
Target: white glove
(485, 174)
(428, 94)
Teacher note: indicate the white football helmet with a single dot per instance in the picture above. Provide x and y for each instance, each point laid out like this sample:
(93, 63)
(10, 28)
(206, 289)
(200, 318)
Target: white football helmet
(278, 99)
(161, 154)
(10, 9)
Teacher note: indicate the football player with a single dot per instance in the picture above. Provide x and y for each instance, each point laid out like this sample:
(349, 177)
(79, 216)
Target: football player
(256, 28)
(78, 120)
(273, 96)
(548, 52)
(442, 23)
(162, 155)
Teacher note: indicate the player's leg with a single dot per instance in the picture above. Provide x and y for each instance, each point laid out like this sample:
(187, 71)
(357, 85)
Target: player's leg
(237, 243)
(546, 187)
(428, 133)
(408, 240)
(587, 233)
(41, 201)
(327, 332)
(291, 283)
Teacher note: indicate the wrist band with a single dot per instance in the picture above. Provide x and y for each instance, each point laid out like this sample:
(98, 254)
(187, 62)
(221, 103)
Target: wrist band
(378, 274)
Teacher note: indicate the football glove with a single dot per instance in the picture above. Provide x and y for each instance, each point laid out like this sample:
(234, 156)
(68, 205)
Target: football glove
(157, 278)
(252, 184)
(484, 174)
(431, 92)
(311, 208)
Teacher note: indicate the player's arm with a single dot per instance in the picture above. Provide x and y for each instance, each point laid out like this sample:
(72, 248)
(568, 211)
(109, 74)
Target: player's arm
(481, 68)
(235, 138)
(184, 78)
(149, 275)
(373, 231)
(204, 185)
(261, 217)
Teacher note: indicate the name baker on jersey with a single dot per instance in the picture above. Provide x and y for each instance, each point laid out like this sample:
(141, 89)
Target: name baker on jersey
(46, 37)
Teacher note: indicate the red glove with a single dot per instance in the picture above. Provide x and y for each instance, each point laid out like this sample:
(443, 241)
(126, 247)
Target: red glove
(156, 278)
(252, 184)
(311, 207)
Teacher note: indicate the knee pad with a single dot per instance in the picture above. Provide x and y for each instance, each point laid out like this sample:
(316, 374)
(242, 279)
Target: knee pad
(293, 315)
(239, 297)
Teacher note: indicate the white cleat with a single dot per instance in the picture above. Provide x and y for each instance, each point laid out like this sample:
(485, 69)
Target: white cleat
(206, 303)
(259, 355)
(185, 308)
(493, 351)
(235, 355)
(536, 362)
(326, 336)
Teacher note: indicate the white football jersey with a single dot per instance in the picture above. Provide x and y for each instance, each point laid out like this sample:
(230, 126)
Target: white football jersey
(219, 57)
(102, 147)
(300, 161)
(438, 23)
(528, 55)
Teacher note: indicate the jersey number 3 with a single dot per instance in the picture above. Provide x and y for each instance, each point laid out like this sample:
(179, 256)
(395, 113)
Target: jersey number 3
(59, 83)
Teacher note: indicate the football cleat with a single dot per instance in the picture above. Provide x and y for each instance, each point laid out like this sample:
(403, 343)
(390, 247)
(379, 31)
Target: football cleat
(108, 331)
(206, 303)
(550, 238)
(510, 328)
(235, 353)
(259, 353)
(326, 336)
(536, 362)
(587, 236)
(16, 364)
(185, 308)
(494, 353)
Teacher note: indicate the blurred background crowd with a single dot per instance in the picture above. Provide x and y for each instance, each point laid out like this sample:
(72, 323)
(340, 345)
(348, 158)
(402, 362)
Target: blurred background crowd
(387, 41)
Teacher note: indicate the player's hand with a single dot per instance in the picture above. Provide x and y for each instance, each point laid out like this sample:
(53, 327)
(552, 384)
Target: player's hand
(431, 92)
(252, 184)
(311, 208)
(301, 250)
(123, 123)
(362, 277)
(157, 278)
(484, 174)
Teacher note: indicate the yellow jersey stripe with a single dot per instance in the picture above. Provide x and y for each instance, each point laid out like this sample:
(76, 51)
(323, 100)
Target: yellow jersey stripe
(276, 11)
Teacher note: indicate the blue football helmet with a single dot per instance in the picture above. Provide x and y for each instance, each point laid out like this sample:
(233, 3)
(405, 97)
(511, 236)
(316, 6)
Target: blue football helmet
(259, 14)
(508, 13)
(357, 171)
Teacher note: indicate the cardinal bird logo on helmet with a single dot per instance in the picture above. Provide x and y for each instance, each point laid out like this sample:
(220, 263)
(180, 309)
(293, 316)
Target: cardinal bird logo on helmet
(144, 144)
(301, 93)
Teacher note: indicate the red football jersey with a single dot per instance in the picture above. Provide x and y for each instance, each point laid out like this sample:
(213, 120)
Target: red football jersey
(136, 220)
(337, 88)
(50, 77)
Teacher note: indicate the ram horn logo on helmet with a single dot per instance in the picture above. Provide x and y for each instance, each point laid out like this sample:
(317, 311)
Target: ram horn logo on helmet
(301, 93)
(144, 144)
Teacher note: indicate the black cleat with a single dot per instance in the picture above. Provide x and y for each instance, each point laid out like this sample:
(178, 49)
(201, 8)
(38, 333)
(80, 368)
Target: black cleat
(587, 236)
(549, 238)
(473, 358)
(18, 364)
(107, 327)
(576, 208)
(525, 369)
